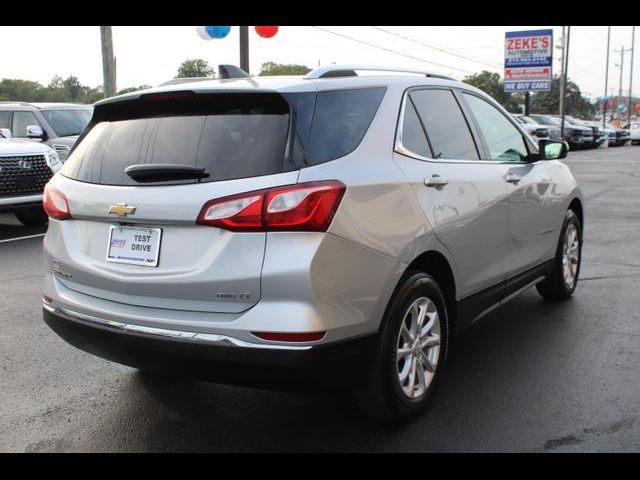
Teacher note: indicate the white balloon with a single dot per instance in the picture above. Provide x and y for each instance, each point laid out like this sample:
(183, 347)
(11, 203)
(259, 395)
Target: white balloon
(202, 33)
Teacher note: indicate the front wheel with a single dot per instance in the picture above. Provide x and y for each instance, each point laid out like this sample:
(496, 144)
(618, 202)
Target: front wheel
(411, 352)
(563, 279)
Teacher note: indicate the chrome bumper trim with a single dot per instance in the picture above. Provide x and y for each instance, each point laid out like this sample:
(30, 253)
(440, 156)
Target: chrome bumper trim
(20, 200)
(209, 338)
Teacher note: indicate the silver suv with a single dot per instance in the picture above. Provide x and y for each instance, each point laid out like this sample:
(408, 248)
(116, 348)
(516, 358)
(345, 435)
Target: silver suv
(331, 230)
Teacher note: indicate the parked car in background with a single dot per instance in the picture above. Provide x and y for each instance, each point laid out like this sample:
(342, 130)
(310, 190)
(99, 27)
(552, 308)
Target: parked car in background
(623, 135)
(599, 135)
(25, 168)
(577, 136)
(554, 130)
(534, 130)
(279, 231)
(55, 124)
(634, 131)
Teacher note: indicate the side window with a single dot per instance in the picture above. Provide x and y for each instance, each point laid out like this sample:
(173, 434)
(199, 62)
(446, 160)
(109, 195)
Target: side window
(4, 119)
(21, 120)
(504, 140)
(340, 120)
(445, 124)
(413, 136)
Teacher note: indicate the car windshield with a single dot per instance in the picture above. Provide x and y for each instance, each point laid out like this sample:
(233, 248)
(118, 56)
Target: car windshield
(67, 122)
(524, 119)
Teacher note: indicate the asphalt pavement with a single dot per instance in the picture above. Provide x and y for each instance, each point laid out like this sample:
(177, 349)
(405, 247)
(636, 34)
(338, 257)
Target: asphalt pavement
(532, 376)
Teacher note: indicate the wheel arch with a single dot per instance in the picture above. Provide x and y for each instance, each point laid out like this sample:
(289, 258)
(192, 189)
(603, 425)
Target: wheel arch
(576, 206)
(436, 264)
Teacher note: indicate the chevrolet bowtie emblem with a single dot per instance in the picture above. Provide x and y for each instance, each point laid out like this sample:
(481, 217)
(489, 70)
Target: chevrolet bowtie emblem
(121, 210)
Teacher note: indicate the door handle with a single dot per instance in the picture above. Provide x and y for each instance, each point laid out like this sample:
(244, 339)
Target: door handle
(512, 178)
(436, 181)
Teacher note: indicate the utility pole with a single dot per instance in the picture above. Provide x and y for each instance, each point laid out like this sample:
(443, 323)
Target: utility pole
(621, 65)
(565, 55)
(606, 81)
(562, 48)
(108, 62)
(244, 48)
(633, 39)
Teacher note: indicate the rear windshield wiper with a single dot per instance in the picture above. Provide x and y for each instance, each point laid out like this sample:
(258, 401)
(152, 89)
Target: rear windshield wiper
(165, 172)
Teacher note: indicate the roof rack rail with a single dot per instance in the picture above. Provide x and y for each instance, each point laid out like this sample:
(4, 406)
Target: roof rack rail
(177, 81)
(333, 71)
(14, 102)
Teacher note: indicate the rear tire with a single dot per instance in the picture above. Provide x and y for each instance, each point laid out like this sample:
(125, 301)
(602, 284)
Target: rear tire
(563, 279)
(32, 217)
(411, 353)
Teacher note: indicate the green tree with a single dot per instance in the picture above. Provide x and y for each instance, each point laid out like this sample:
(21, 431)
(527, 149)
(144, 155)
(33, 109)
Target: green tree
(272, 68)
(575, 104)
(493, 85)
(195, 67)
(22, 90)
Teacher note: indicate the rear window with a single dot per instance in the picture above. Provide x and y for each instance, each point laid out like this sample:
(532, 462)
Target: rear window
(231, 135)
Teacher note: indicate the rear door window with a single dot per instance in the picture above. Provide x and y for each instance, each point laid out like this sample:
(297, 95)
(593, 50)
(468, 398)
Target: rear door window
(446, 127)
(5, 119)
(413, 137)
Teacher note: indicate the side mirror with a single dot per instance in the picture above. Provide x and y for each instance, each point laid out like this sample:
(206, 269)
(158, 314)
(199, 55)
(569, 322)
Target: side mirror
(35, 131)
(6, 133)
(552, 149)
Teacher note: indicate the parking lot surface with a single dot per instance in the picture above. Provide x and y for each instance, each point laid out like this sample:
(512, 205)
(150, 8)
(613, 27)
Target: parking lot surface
(531, 376)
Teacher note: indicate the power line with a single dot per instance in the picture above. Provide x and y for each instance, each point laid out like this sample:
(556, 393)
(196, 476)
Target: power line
(440, 49)
(391, 51)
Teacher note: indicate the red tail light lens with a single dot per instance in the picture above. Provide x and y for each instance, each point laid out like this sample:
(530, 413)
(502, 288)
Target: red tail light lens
(302, 207)
(236, 213)
(55, 203)
(290, 337)
(308, 206)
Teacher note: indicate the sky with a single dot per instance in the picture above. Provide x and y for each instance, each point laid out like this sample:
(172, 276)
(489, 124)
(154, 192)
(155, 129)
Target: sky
(151, 55)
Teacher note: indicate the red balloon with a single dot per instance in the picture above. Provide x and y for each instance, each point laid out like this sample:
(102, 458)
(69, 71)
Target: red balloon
(638, 106)
(266, 32)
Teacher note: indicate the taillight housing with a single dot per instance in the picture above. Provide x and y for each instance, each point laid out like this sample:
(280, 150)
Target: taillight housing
(55, 203)
(307, 207)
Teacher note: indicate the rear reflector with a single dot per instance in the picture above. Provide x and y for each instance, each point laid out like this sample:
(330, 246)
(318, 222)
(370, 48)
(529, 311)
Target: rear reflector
(290, 337)
(302, 207)
(55, 203)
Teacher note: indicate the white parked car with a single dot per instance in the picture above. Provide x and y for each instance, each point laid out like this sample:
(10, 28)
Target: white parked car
(25, 168)
(634, 128)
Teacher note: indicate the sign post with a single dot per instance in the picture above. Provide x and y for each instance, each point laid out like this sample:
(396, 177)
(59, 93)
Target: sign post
(528, 62)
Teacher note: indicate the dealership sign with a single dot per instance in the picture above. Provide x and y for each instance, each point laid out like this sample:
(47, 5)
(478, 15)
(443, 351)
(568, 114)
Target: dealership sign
(528, 58)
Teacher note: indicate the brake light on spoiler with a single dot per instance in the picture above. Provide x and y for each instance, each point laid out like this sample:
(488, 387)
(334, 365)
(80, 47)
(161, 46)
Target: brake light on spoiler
(307, 207)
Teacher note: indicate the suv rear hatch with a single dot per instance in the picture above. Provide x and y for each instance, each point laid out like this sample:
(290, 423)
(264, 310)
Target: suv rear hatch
(135, 240)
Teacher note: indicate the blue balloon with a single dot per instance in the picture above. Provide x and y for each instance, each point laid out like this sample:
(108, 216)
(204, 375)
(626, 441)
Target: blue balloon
(218, 32)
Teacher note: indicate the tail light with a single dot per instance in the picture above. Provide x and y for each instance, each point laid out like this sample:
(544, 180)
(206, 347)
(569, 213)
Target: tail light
(55, 203)
(302, 207)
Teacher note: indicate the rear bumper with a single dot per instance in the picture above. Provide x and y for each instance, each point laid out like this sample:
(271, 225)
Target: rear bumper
(220, 360)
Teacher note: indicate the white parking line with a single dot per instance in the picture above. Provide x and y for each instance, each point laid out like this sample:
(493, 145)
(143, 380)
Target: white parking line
(22, 238)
